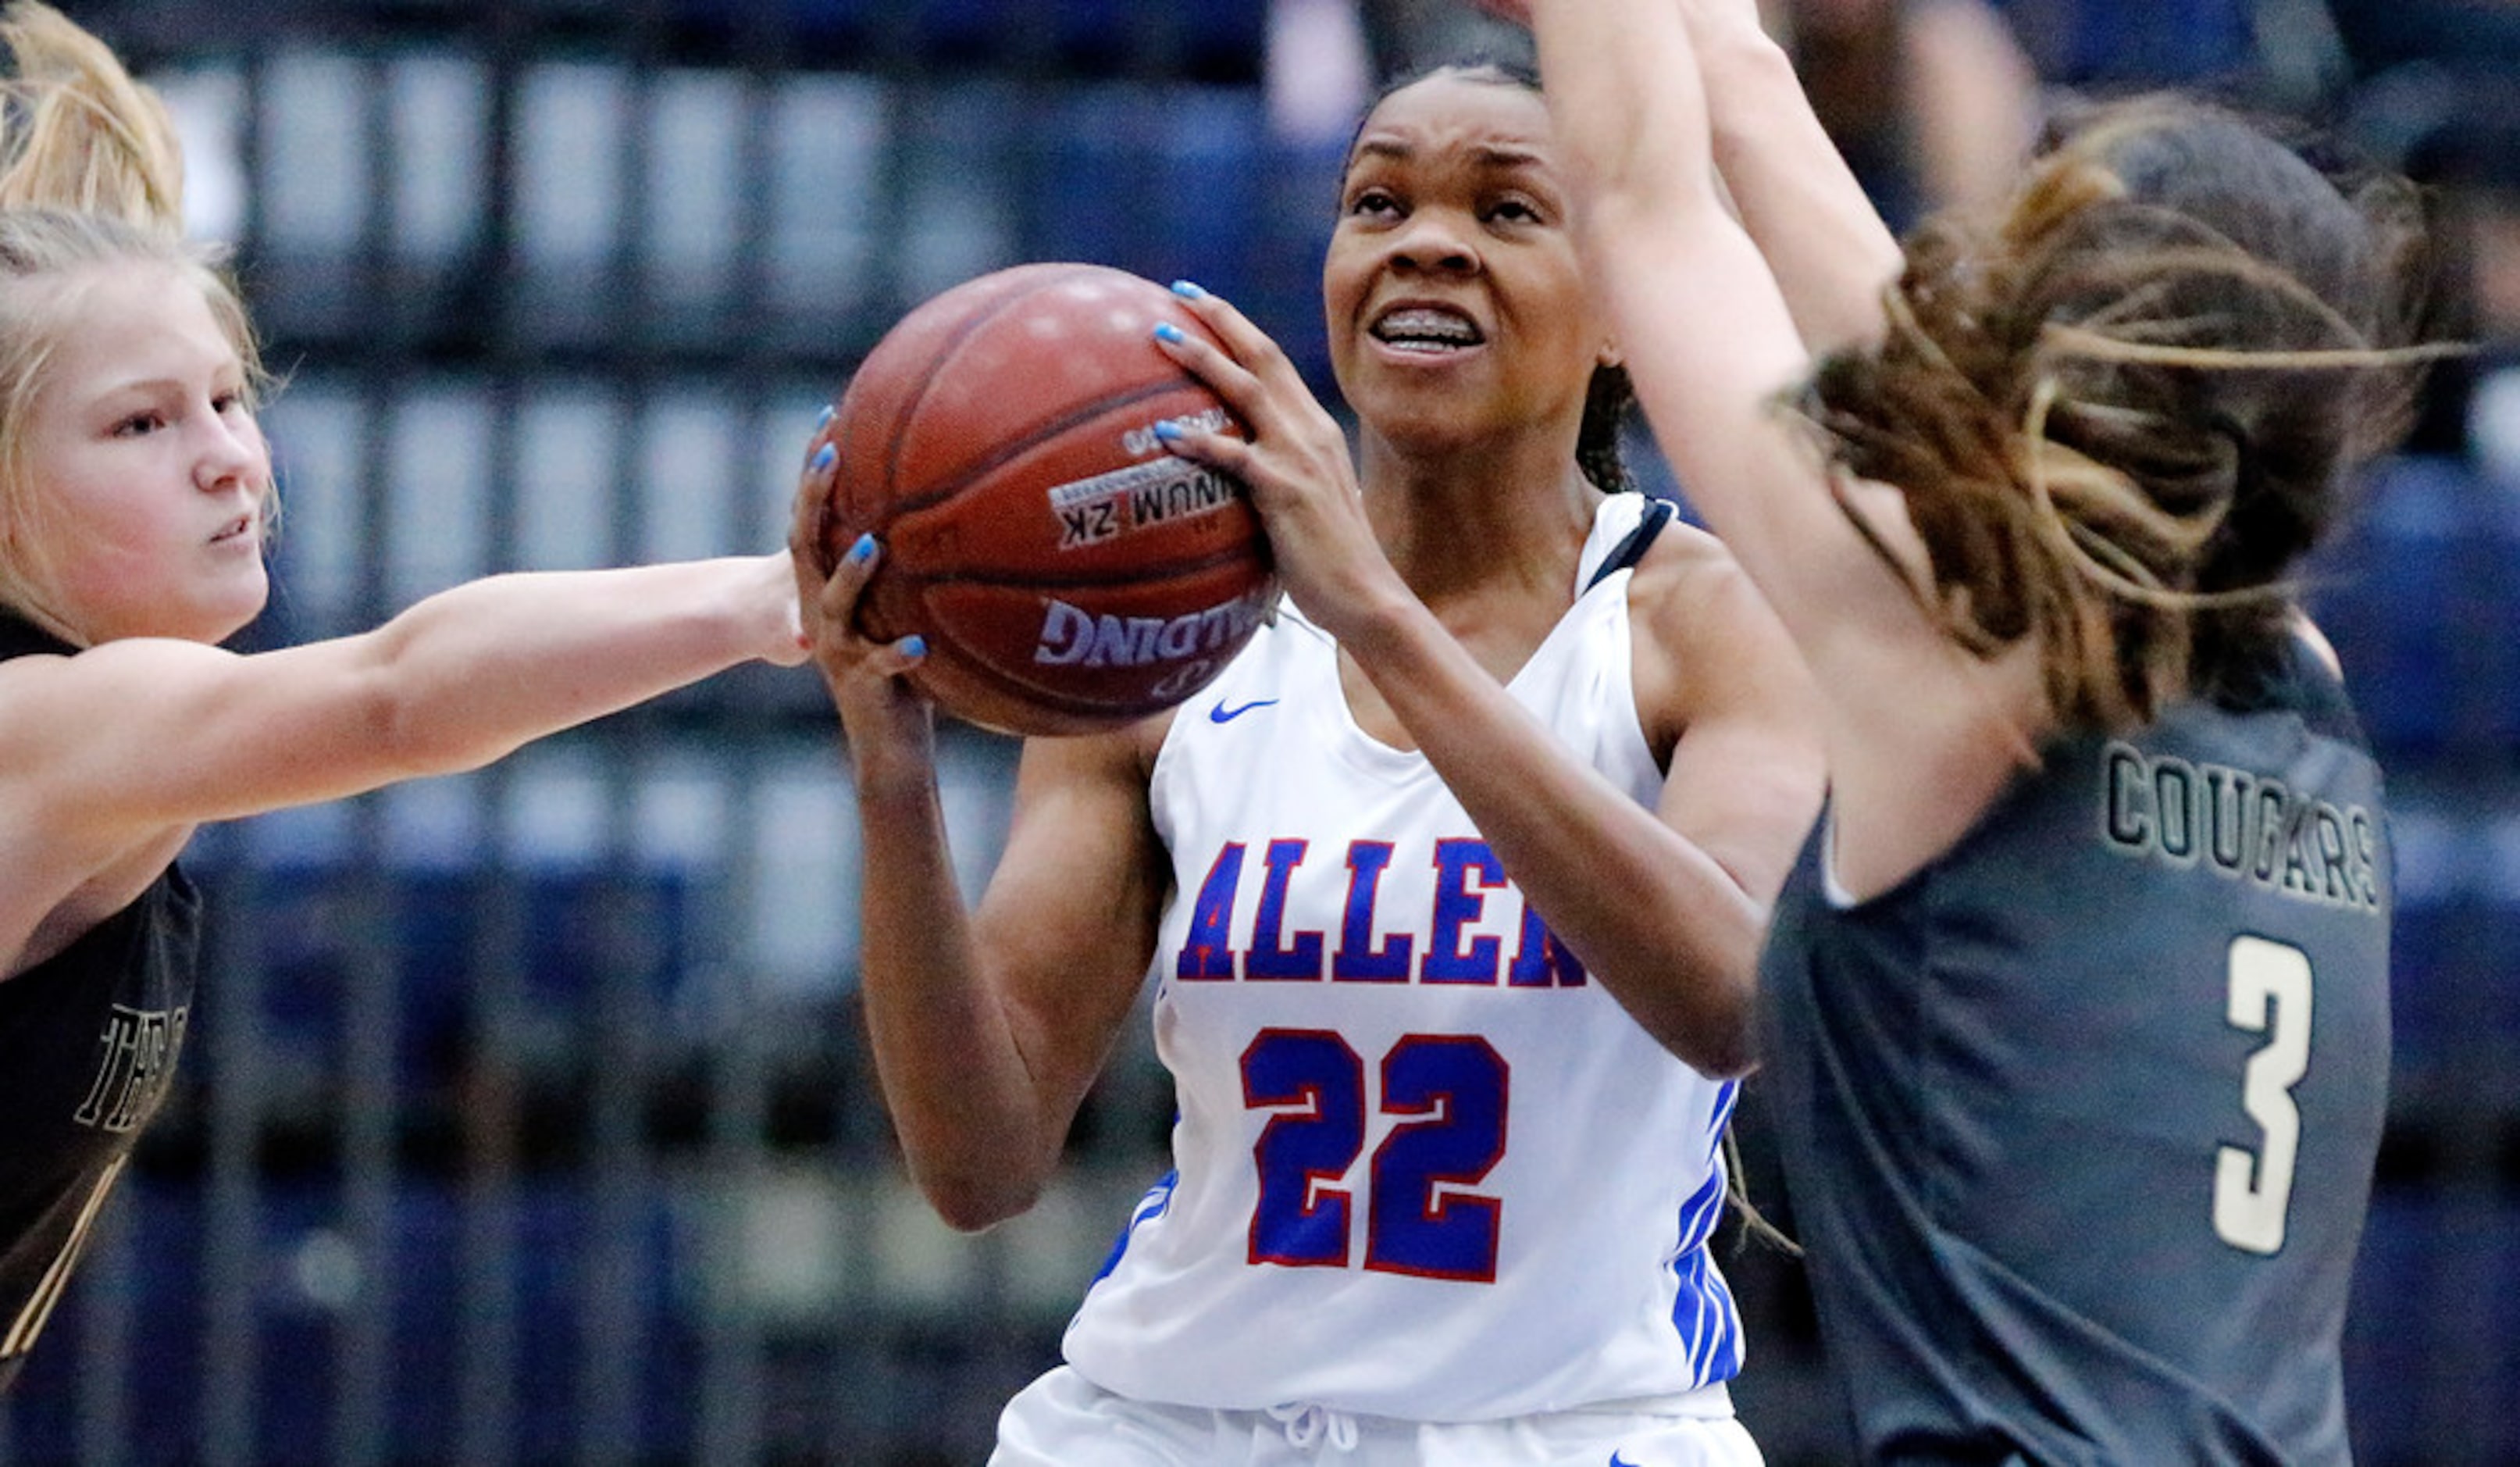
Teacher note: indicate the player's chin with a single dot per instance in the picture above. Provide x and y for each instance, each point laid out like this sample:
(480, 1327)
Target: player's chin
(1422, 424)
(230, 607)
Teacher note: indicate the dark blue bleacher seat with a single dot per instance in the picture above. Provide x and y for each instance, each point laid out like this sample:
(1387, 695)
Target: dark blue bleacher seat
(2454, 954)
(2385, 1338)
(2421, 592)
(557, 1232)
(557, 1235)
(1161, 181)
(426, 933)
(1183, 182)
(1218, 39)
(2114, 46)
(1214, 41)
(2432, 1336)
(2430, 927)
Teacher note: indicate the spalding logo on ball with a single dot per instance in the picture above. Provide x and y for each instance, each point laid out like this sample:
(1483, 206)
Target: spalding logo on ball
(1068, 574)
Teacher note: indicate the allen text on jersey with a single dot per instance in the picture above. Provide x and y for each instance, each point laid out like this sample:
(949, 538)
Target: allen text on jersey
(1468, 876)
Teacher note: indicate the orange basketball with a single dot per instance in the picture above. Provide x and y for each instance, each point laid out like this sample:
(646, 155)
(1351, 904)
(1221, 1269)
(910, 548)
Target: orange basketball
(1069, 574)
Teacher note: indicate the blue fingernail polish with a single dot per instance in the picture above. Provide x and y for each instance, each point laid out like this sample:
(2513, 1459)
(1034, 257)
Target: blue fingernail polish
(825, 457)
(1165, 331)
(914, 645)
(828, 412)
(1187, 291)
(863, 549)
(1167, 429)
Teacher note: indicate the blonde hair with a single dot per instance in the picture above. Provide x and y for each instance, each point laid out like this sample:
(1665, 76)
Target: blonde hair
(91, 177)
(2121, 408)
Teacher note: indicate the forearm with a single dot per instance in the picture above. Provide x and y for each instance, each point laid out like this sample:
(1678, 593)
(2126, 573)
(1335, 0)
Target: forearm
(1977, 118)
(473, 672)
(1626, 104)
(1822, 238)
(1652, 99)
(955, 1080)
(1651, 916)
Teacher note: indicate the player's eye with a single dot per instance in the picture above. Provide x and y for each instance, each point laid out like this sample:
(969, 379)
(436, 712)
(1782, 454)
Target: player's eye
(1373, 204)
(138, 425)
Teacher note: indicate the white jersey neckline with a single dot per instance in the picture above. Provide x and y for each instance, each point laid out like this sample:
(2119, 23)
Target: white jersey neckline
(1613, 519)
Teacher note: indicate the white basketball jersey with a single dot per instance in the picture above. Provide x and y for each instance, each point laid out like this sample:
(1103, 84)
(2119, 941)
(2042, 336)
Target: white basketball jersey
(1424, 1166)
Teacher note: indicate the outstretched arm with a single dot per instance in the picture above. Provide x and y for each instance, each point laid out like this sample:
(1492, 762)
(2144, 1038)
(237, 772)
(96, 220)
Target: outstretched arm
(147, 734)
(1709, 336)
(1977, 112)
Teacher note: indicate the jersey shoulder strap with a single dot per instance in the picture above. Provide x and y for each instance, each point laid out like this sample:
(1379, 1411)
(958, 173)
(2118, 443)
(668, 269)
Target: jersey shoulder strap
(1657, 514)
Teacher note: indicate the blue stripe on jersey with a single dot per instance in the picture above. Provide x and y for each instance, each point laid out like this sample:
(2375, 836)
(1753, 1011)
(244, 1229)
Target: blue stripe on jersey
(1157, 1200)
(1709, 1323)
(1726, 1096)
(1704, 1314)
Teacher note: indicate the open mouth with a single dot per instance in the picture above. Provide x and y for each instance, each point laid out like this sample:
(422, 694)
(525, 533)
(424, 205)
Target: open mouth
(240, 526)
(1426, 329)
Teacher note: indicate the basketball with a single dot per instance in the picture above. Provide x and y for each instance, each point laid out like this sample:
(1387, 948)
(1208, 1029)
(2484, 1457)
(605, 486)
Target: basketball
(1069, 574)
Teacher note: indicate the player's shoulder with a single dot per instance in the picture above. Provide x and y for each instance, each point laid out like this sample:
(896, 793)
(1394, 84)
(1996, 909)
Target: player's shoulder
(1688, 584)
(1685, 548)
(106, 670)
(52, 704)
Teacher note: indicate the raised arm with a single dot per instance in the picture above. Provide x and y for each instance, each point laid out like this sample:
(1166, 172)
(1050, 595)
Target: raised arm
(1920, 734)
(989, 1027)
(1680, 274)
(1824, 241)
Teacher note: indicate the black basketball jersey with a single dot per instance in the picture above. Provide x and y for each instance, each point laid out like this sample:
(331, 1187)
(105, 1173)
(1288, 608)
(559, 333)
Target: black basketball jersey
(88, 1041)
(2078, 1120)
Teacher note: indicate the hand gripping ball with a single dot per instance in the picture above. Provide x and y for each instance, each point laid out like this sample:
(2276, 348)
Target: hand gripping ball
(1069, 574)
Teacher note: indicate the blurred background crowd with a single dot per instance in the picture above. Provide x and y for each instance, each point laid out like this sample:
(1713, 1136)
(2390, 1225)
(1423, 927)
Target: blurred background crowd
(526, 1117)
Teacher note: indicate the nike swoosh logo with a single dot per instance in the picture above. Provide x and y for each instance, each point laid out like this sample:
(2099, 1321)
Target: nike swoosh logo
(1223, 715)
(1619, 1459)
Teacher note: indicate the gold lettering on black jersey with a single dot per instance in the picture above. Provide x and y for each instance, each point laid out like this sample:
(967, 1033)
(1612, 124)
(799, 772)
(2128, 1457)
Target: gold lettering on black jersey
(135, 1061)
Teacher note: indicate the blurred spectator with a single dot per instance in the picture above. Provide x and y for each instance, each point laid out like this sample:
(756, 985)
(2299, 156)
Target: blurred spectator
(2494, 403)
(1319, 73)
(2133, 45)
(1408, 36)
(2471, 158)
(2379, 35)
(1933, 101)
(2267, 56)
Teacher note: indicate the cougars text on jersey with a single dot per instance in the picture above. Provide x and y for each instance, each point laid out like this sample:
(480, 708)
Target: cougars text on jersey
(2239, 824)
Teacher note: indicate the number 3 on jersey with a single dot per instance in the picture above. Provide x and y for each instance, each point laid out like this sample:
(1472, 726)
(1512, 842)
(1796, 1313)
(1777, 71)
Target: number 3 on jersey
(1420, 1217)
(2269, 994)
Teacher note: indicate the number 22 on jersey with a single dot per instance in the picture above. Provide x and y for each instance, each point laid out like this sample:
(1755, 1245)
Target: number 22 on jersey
(1423, 1215)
